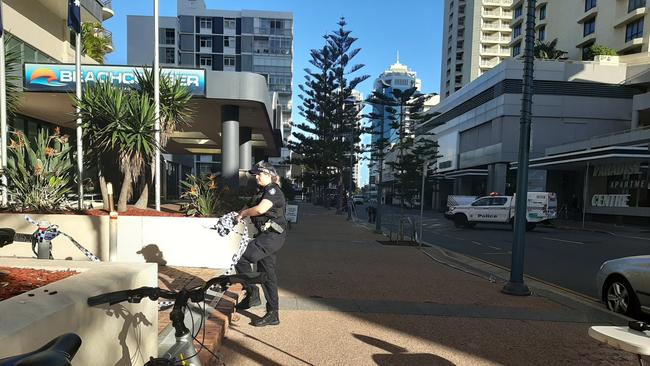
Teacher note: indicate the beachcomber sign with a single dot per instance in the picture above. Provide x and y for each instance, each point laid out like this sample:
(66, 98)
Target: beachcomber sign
(61, 77)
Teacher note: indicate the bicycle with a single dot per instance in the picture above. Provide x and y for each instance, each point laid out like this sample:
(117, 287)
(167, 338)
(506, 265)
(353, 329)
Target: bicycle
(177, 353)
(57, 352)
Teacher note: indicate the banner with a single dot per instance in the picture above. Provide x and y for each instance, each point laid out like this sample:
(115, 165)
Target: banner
(61, 77)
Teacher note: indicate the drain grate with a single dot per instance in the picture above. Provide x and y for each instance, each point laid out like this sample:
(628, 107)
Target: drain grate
(399, 243)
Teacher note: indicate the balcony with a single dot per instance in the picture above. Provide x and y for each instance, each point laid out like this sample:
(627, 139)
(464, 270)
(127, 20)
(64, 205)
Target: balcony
(488, 64)
(496, 14)
(494, 39)
(496, 26)
(495, 51)
(633, 43)
(630, 17)
(273, 31)
(497, 2)
(107, 9)
(588, 14)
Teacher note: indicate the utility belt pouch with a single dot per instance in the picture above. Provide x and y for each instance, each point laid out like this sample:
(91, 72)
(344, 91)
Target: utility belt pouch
(272, 225)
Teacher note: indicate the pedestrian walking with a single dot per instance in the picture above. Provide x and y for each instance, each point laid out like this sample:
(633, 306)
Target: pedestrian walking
(266, 211)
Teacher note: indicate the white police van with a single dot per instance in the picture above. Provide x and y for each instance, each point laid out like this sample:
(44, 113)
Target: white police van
(497, 209)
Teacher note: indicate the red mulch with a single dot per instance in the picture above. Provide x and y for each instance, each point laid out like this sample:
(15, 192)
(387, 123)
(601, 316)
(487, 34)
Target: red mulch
(15, 281)
(132, 211)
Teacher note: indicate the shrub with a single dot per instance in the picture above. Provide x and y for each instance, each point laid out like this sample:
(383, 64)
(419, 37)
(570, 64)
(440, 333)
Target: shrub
(202, 195)
(40, 172)
(597, 50)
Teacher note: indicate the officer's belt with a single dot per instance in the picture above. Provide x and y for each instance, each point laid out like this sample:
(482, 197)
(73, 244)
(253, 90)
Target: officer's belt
(271, 225)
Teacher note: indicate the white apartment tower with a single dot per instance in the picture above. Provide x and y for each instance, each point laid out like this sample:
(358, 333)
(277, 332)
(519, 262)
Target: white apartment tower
(476, 38)
(579, 24)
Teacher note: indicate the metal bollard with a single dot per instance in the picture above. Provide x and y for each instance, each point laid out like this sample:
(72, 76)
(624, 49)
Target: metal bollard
(112, 226)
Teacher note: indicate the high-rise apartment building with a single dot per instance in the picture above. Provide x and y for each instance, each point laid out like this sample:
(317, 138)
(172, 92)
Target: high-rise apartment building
(476, 38)
(247, 40)
(579, 24)
(398, 76)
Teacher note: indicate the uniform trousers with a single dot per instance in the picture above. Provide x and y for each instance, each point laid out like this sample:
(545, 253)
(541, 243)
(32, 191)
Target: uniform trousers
(262, 252)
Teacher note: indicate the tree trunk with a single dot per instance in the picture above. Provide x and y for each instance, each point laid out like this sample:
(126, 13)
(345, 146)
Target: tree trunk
(103, 190)
(339, 205)
(143, 201)
(124, 193)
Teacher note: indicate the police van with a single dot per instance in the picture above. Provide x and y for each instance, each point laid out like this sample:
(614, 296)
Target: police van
(497, 209)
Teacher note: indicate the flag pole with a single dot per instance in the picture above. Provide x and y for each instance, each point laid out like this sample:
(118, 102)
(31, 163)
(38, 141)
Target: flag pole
(80, 163)
(3, 117)
(156, 93)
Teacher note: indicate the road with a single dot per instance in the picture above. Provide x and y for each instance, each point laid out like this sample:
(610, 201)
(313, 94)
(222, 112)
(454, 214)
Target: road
(569, 258)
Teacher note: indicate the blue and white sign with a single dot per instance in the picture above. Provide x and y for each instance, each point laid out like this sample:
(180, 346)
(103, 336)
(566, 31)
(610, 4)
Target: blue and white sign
(62, 77)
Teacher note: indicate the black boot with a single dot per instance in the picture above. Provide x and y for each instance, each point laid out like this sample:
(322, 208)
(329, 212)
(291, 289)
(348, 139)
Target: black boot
(252, 299)
(271, 318)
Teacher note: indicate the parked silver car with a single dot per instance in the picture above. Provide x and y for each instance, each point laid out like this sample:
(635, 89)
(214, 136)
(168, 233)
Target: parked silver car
(624, 284)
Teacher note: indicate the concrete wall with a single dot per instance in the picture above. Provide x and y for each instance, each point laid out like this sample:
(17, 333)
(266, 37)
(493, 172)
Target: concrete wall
(179, 241)
(123, 334)
(139, 49)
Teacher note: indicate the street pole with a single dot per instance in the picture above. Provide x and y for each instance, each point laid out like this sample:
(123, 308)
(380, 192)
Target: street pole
(156, 94)
(3, 118)
(80, 161)
(516, 285)
(381, 167)
(584, 195)
(351, 185)
(424, 175)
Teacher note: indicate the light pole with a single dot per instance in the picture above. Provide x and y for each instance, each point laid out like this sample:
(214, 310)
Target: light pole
(351, 102)
(516, 285)
(378, 230)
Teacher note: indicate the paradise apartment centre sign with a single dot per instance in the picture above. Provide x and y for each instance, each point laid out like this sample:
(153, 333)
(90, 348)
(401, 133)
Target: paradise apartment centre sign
(61, 77)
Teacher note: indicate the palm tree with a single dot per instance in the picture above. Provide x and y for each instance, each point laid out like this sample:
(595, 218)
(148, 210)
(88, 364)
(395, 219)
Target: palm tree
(175, 113)
(96, 41)
(547, 50)
(119, 130)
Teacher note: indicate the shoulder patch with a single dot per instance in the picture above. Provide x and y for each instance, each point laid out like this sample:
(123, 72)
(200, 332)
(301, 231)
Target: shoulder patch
(272, 191)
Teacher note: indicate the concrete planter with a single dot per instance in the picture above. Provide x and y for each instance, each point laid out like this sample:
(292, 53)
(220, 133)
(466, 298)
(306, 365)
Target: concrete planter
(178, 241)
(123, 334)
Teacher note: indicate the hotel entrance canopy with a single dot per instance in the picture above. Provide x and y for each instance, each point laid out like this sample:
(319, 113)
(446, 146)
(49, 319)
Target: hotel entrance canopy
(49, 89)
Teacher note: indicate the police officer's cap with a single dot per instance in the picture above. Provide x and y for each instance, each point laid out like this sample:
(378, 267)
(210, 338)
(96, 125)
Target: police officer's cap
(263, 167)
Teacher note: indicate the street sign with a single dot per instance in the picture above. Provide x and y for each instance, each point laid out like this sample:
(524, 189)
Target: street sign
(291, 213)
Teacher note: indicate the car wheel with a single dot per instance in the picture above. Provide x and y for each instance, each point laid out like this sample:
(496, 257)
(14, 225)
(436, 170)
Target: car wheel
(620, 297)
(460, 220)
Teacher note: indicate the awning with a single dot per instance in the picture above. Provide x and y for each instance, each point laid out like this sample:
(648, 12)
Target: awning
(578, 159)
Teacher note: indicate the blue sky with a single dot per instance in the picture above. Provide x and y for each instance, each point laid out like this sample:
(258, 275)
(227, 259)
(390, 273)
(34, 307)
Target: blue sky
(414, 27)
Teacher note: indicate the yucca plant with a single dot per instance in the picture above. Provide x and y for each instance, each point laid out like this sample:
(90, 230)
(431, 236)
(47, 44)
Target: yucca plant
(40, 171)
(13, 67)
(202, 194)
(119, 129)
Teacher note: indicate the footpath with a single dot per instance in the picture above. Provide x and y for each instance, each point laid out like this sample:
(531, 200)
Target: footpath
(346, 299)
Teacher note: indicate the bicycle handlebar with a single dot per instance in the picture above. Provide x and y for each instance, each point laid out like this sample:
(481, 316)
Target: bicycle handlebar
(196, 294)
(57, 352)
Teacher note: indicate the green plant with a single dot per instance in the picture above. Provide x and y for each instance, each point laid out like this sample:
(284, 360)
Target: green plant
(287, 189)
(597, 50)
(119, 130)
(202, 193)
(40, 171)
(96, 41)
(548, 50)
(13, 65)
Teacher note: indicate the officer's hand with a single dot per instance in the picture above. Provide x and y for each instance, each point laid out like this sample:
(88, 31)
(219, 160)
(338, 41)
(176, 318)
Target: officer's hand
(239, 217)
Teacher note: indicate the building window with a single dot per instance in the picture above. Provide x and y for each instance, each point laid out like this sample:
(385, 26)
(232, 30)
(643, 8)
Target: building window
(516, 49)
(229, 41)
(518, 11)
(205, 61)
(206, 42)
(635, 4)
(542, 12)
(229, 23)
(205, 23)
(169, 36)
(169, 55)
(228, 61)
(517, 31)
(586, 51)
(589, 27)
(634, 30)
(590, 4)
(542, 33)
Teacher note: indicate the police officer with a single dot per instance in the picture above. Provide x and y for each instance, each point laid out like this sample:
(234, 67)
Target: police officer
(266, 210)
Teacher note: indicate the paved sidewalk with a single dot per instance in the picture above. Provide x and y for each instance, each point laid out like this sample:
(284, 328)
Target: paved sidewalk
(348, 300)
